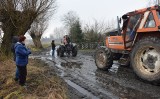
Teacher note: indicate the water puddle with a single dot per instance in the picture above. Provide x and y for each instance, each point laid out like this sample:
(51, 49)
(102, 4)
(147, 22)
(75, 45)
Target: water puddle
(115, 67)
(119, 80)
(81, 90)
(71, 65)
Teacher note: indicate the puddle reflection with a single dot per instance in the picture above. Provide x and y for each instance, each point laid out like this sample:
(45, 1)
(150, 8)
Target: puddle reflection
(71, 65)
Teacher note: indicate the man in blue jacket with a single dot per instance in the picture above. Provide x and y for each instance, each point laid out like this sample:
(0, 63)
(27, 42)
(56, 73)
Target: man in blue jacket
(22, 54)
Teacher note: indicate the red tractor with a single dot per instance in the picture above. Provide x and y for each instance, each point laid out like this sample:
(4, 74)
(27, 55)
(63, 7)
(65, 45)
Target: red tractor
(137, 43)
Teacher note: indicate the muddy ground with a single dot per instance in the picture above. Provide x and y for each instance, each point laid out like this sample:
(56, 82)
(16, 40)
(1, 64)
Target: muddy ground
(86, 82)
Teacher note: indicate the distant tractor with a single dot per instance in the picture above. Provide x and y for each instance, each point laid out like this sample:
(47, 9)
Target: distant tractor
(67, 47)
(137, 43)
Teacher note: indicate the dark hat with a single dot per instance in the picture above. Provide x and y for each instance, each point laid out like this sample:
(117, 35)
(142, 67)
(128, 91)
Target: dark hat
(22, 38)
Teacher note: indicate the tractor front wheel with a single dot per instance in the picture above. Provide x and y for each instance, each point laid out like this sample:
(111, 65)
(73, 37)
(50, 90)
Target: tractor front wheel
(145, 59)
(103, 58)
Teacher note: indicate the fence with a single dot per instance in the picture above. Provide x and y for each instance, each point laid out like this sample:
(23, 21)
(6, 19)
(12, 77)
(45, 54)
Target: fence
(93, 45)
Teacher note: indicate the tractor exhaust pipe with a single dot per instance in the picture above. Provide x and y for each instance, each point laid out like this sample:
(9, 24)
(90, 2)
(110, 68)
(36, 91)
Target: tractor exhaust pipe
(158, 2)
(118, 25)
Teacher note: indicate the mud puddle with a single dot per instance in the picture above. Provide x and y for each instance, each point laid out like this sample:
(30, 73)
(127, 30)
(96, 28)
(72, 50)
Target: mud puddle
(81, 90)
(120, 82)
(71, 65)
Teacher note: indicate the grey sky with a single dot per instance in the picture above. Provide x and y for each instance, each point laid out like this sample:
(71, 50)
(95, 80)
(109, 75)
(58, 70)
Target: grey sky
(88, 10)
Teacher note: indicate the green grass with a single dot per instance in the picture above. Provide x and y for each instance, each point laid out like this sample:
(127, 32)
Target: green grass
(46, 45)
(35, 49)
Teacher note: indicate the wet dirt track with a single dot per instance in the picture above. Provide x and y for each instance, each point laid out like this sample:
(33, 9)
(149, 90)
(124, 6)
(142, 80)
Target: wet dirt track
(81, 74)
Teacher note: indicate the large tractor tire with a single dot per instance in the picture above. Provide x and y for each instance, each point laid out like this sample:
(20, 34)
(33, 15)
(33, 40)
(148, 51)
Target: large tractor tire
(103, 58)
(58, 52)
(61, 51)
(74, 51)
(145, 59)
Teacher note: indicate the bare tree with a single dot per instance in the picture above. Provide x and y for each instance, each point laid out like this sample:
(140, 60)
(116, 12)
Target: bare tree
(101, 27)
(18, 15)
(72, 22)
(60, 32)
(94, 32)
(37, 29)
(70, 18)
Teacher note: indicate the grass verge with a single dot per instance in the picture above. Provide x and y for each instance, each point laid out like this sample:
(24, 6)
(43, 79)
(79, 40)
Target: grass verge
(35, 49)
(42, 82)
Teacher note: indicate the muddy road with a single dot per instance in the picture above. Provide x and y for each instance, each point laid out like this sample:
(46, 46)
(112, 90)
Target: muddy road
(86, 82)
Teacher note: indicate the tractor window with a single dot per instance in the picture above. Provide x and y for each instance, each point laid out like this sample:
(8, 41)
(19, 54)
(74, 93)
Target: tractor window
(158, 14)
(132, 25)
(150, 21)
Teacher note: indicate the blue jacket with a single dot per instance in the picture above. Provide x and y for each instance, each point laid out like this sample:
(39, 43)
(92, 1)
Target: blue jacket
(22, 54)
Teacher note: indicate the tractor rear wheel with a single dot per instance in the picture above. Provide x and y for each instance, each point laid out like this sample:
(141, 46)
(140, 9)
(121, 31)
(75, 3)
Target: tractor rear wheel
(103, 58)
(61, 51)
(58, 52)
(145, 59)
(74, 51)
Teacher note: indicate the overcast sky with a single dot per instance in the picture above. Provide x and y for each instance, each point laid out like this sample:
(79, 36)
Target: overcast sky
(88, 10)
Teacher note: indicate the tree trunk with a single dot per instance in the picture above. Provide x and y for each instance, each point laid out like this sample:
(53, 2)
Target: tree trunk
(37, 42)
(7, 39)
(6, 45)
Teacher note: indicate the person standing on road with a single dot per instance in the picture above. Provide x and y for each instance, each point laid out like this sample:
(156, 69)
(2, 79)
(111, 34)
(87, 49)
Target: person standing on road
(22, 54)
(53, 47)
(14, 41)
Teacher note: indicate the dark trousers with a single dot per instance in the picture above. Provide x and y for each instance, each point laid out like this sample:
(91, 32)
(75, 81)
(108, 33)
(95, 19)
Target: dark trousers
(22, 74)
(16, 74)
(52, 52)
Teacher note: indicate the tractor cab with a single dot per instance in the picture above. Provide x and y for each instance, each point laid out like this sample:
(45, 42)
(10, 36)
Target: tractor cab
(139, 21)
